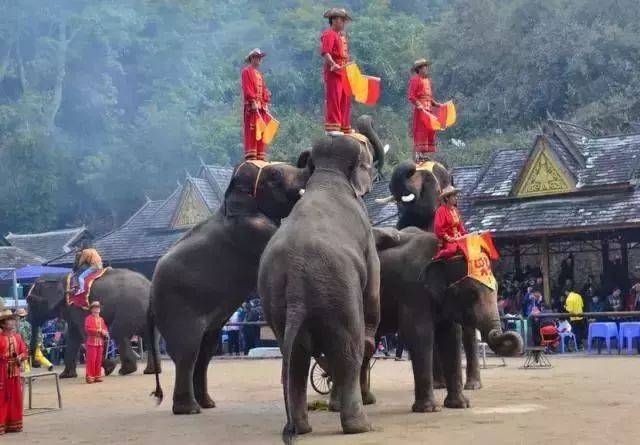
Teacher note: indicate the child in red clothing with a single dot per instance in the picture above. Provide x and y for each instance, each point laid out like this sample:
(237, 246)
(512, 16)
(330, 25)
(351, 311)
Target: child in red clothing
(96, 330)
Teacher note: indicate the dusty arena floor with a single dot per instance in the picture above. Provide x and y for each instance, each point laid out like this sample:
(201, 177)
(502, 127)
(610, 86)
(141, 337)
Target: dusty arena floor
(581, 400)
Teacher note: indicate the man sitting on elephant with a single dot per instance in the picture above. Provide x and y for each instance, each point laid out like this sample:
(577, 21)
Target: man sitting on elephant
(89, 262)
(448, 225)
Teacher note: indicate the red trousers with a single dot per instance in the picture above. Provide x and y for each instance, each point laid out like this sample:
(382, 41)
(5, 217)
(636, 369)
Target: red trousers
(10, 404)
(447, 250)
(337, 104)
(252, 149)
(94, 361)
(424, 139)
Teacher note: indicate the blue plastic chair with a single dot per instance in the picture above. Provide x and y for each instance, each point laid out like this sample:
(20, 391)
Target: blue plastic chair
(629, 331)
(607, 331)
(570, 336)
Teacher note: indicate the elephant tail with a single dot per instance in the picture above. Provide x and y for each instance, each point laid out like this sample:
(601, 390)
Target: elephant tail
(294, 323)
(151, 327)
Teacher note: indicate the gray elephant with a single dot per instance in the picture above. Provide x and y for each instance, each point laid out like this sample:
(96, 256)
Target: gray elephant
(426, 300)
(209, 273)
(319, 282)
(415, 189)
(124, 297)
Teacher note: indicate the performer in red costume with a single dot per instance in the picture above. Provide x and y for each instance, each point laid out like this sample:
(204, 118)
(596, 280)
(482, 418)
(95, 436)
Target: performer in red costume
(96, 331)
(12, 352)
(256, 104)
(420, 94)
(334, 48)
(448, 224)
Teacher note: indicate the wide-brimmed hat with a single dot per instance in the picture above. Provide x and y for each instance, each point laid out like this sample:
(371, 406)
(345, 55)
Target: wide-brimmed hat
(7, 315)
(22, 312)
(449, 191)
(420, 62)
(254, 52)
(94, 304)
(337, 12)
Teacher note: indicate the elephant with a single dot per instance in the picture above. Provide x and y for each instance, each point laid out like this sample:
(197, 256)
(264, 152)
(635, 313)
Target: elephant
(416, 190)
(421, 297)
(319, 282)
(124, 297)
(208, 273)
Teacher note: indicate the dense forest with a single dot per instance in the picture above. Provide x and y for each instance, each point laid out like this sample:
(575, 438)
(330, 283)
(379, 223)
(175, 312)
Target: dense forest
(105, 103)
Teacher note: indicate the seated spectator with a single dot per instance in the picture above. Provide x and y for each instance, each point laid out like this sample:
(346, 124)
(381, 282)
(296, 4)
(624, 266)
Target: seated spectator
(549, 336)
(632, 300)
(614, 300)
(596, 304)
(564, 326)
(534, 302)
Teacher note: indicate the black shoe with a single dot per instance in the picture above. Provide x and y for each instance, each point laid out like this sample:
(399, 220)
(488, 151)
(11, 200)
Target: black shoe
(50, 368)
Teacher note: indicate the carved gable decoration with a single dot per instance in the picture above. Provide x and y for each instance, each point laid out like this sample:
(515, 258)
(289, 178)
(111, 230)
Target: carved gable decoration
(191, 209)
(544, 174)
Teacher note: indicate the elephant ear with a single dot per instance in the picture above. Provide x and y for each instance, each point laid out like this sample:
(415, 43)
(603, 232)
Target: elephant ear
(385, 238)
(361, 176)
(305, 161)
(434, 279)
(238, 199)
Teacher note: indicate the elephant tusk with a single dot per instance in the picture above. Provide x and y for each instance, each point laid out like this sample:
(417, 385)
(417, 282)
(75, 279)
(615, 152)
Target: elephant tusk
(386, 200)
(301, 192)
(408, 198)
(386, 148)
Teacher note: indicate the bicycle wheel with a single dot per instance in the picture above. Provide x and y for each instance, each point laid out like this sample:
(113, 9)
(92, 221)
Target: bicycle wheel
(320, 379)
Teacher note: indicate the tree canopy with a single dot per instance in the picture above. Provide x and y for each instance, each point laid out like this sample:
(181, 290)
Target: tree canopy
(105, 103)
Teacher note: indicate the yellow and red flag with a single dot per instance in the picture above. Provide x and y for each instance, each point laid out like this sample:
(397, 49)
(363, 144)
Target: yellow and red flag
(443, 117)
(479, 250)
(266, 128)
(365, 89)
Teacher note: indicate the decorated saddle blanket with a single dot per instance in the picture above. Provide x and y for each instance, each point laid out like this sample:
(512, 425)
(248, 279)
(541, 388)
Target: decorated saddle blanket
(478, 251)
(80, 297)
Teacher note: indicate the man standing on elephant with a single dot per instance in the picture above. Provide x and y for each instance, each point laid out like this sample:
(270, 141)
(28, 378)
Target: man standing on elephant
(420, 94)
(334, 48)
(256, 104)
(448, 225)
(96, 331)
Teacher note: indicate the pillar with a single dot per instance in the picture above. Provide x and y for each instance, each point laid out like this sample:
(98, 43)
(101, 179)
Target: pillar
(517, 262)
(546, 268)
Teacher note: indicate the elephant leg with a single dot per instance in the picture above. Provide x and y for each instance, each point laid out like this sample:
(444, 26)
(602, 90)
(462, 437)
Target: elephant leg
(295, 384)
(72, 346)
(346, 355)
(365, 375)
(419, 339)
(128, 363)
(470, 342)
(449, 345)
(153, 361)
(438, 375)
(208, 348)
(183, 345)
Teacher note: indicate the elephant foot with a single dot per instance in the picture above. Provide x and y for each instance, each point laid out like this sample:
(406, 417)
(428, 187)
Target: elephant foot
(356, 425)
(335, 406)
(191, 407)
(473, 384)
(458, 401)
(425, 406)
(439, 385)
(127, 368)
(108, 366)
(67, 374)
(368, 398)
(151, 370)
(205, 401)
(302, 427)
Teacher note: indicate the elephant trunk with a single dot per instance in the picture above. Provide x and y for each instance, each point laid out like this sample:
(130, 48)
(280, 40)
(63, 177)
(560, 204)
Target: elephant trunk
(502, 343)
(400, 185)
(364, 125)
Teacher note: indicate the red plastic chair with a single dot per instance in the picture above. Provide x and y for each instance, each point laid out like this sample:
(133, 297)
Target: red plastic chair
(549, 336)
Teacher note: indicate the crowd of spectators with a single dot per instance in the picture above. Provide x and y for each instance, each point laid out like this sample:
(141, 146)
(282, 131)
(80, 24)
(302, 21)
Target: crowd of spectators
(521, 295)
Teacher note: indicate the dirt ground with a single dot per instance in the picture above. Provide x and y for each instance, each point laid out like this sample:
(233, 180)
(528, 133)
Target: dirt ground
(581, 400)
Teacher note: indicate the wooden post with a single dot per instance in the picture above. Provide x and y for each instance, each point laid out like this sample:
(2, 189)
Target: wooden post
(605, 262)
(624, 253)
(546, 268)
(517, 263)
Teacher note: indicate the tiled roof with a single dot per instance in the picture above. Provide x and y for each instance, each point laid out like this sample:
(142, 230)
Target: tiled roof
(221, 176)
(15, 258)
(610, 160)
(500, 174)
(577, 134)
(3, 241)
(161, 218)
(207, 192)
(381, 215)
(49, 244)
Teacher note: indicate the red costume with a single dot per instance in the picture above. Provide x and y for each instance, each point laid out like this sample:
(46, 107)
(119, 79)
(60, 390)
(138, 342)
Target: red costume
(337, 105)
(254, 91)
(448, 227)
(96, 330)
(420, 93)
(12, 352)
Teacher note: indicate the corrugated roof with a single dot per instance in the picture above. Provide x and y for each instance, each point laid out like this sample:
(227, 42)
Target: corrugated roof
(49, 244)
(15, 257)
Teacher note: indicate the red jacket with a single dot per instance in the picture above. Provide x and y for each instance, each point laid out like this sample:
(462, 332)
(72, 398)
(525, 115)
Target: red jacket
(254, 89)
(448, 224)
(96, 329)
(12, 352)
(334, 43)
(420, 92)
